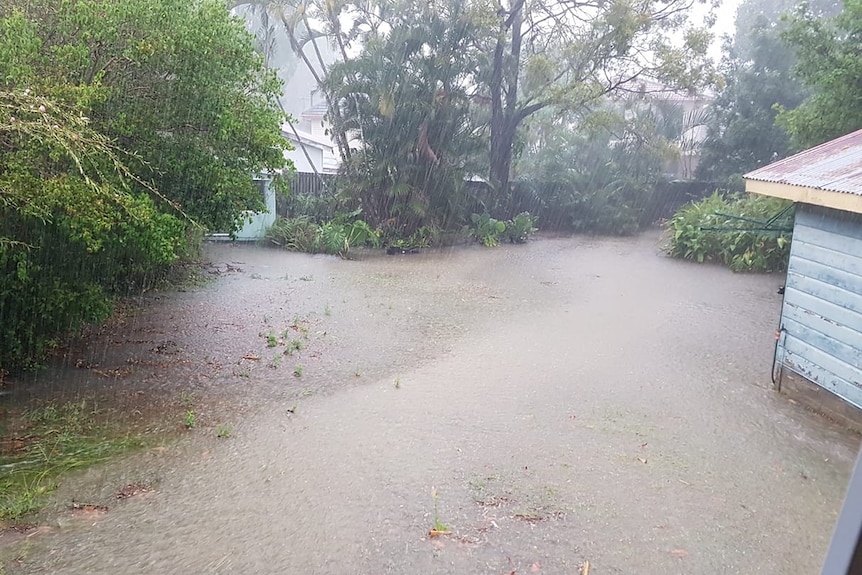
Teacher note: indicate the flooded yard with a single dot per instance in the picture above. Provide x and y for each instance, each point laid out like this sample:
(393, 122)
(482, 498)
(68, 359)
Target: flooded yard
(523, 409)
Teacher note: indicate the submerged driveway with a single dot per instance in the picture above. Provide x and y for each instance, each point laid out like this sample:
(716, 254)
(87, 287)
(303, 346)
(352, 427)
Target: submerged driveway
(540, 406)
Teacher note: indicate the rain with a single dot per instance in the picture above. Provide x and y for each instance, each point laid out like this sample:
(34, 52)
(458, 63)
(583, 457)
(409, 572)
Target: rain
(384, 286)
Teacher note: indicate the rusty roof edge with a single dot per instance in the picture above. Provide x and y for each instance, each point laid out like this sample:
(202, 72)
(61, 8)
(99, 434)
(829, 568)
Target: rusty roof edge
(771, 168)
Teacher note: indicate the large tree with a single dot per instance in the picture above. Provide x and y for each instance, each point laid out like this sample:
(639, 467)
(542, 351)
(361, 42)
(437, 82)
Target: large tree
(119, 127)
(758, 71)
(830, 65)
(567, 55)
(407, 96)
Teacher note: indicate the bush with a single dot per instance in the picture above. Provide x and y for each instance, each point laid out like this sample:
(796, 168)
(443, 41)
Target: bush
(489, 231)
(334, 237)
(732, 231)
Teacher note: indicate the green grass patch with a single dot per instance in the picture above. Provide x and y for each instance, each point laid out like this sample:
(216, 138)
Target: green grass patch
(39, 445)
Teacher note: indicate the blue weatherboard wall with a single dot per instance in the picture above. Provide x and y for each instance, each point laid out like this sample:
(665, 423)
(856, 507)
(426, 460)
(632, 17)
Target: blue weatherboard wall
(822, 312)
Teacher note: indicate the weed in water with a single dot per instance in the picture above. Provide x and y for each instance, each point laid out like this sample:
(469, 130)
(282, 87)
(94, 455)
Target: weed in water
(297, 371)
(295, 345)
(397, 383)
(306, 278)
(292, 409)
(306, 392)
(244, 373)
(271, 339)
(276, 361)
(191, 420)
(223, 431)
(439, 528)
(51, 440)
(327, 310)
(357, 373)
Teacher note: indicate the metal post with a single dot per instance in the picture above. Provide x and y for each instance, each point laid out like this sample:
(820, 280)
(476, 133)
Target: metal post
(845, 552)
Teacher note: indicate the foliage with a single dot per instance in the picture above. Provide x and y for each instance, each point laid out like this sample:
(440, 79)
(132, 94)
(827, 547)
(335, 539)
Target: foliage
(120, 130)
(830, 64)
(521, 227)
(711, 230)
(406, 94)
(334, 237)
(595, 174)
(487, 230)
(545, 54)
(758, 71)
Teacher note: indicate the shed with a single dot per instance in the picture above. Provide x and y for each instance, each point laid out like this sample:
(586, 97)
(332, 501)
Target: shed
(819, 342)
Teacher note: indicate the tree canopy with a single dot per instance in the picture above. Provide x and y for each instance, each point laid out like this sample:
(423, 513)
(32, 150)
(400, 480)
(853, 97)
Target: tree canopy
(122, 125)
(830, 65)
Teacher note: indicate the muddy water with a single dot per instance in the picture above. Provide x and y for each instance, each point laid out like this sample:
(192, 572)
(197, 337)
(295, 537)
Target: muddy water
(569, 400)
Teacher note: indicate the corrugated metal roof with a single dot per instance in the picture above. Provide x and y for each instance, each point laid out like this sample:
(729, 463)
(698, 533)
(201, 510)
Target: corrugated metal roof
(835, 166)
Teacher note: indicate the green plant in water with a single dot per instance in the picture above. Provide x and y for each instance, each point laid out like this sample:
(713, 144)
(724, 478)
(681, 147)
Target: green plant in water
(191, 419)
(224, 431)
(271, 339)
(439, 527)
(486, 229)
(51, 440)
(732, 231)
(521, 227)
(297, 371)
(276, 361)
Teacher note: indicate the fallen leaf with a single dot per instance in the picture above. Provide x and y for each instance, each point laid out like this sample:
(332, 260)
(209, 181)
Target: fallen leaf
(535, 567)
(642, 460)
(643, 445)
(251, 356)
(585, 568)
(679, 552)
(438, 533)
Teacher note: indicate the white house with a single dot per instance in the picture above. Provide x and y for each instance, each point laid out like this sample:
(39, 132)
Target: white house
(313, 122)
(311, 153)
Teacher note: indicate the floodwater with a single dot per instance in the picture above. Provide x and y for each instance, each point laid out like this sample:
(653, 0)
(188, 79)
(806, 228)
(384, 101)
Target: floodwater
(563, 401)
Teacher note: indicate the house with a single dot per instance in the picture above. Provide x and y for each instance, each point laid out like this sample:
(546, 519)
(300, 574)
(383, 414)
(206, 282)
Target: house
(314, 123)
(311, 153)
(818, 353)
(685, 117)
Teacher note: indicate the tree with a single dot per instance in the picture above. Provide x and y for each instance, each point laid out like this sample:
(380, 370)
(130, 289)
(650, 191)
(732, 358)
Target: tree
(567, 55)
(408, 94)
(120, 128)
(830, 65)
(758, 71)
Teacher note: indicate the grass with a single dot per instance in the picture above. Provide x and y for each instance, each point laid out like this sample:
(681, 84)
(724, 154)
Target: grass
(276, 361)
(223, 431)
(297, 371)
(190, 419)
(39, 445)
(439, 528)
(271, 339)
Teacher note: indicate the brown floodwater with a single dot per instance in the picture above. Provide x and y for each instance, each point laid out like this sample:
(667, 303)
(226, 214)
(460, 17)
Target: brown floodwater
(568, 400)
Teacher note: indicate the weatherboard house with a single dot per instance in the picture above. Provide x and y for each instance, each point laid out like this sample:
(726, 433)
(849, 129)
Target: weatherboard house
(818, 352)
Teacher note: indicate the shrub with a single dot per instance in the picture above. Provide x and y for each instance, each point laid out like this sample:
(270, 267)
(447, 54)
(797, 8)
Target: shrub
(732, 231)
(334, 237)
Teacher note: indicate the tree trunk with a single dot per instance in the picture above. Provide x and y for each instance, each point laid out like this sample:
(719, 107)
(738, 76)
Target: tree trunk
(505, 116)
